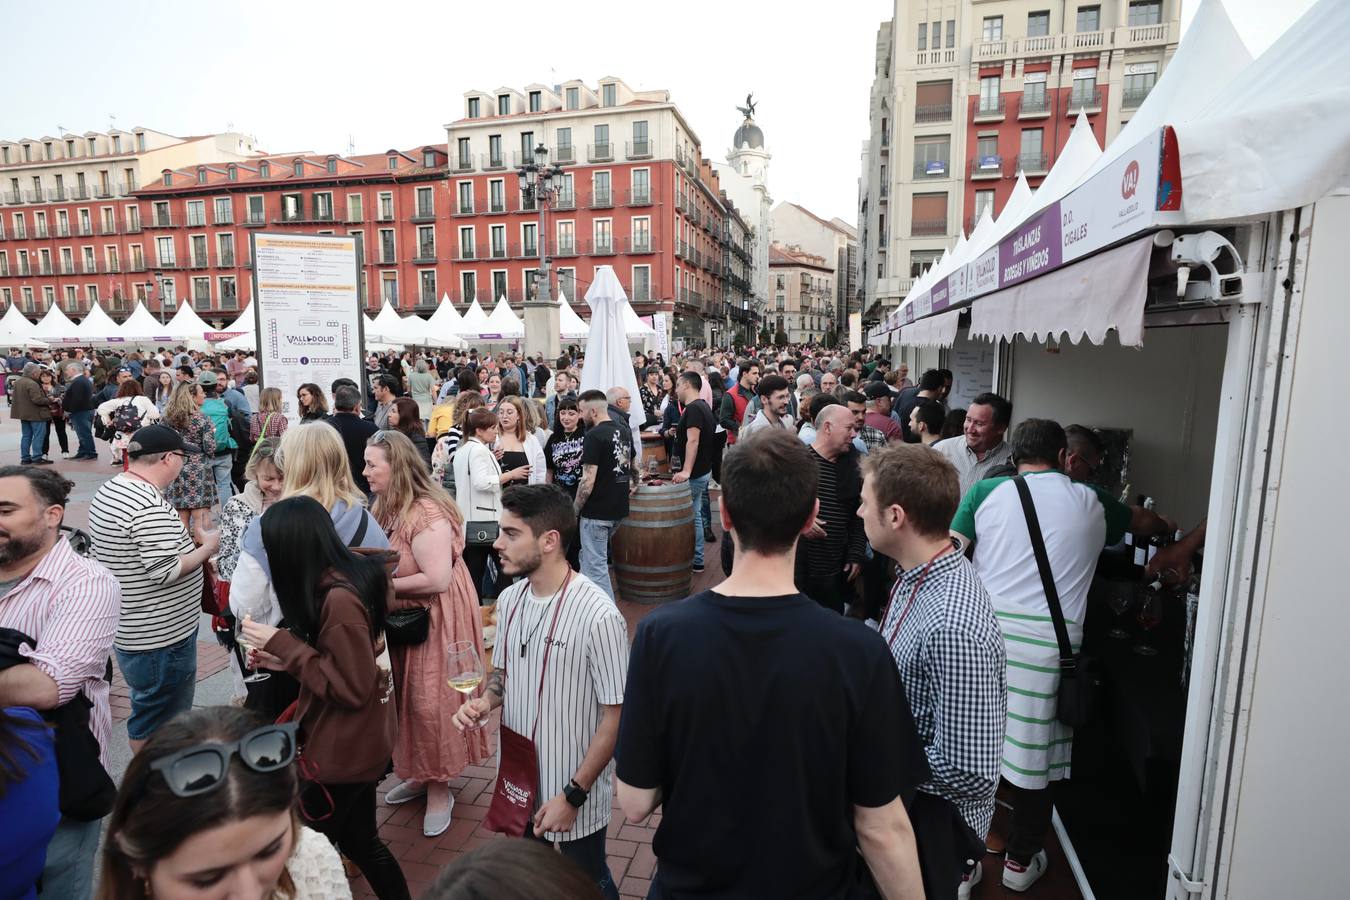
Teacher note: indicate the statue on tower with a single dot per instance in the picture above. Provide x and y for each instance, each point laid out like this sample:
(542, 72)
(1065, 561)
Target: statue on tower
(748, 110)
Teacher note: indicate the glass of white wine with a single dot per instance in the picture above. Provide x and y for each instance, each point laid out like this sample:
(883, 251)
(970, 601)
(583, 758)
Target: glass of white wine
(252, 676)
(464, 668)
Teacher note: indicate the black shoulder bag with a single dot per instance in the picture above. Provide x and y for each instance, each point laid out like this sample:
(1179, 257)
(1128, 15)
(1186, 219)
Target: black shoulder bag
(1080, 680)
(479, 532)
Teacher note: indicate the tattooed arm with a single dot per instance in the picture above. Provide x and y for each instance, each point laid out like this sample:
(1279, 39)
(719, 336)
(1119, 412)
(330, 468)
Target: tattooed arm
(587, 485)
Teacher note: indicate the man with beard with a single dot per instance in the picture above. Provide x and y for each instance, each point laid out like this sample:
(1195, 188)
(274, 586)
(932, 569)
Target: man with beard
(558, 630)
(775, 396)
(58, 615)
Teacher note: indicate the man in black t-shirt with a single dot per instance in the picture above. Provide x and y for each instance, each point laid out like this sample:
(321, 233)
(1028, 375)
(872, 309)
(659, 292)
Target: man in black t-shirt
(749, 705)
(697, 442)
(606, 482)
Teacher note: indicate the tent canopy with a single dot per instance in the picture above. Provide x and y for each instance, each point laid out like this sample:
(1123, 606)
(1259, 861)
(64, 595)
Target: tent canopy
(186, 324)
(474, 323)
(504, 322)
(570, 325)
(55, 326)
(142, 327)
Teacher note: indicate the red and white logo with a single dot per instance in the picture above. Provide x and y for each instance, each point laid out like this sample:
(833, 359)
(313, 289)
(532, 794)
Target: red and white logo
(1130, 180)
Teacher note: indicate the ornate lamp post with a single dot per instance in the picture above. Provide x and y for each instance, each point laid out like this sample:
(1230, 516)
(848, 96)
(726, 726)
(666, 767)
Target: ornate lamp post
(541, 183)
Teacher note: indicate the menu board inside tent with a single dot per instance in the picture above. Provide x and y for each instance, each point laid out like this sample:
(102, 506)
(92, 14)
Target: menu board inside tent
(972, 365)
(308, 313)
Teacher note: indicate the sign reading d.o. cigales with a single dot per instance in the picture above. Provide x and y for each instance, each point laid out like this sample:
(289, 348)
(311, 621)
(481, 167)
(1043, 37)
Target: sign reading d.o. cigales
(308, 311)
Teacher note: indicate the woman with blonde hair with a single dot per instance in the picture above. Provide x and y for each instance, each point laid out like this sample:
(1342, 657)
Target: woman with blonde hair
(423, 522)
(268, 421)
(314, 462)
(193, 492)
(519, 447)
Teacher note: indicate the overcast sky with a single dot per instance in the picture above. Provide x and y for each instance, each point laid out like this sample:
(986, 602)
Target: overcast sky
(309, 76)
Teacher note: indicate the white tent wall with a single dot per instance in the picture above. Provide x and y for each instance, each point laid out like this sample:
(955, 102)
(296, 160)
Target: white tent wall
(1167, 393)
(972, 365)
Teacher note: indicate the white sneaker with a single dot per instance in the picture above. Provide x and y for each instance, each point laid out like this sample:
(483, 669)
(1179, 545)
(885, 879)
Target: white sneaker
(969, 881)
(435, 823)
(1020, 878)
(403, 792)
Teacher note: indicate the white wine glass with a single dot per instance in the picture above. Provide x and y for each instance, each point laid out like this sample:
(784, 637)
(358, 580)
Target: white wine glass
(464, 669)
(252, 675)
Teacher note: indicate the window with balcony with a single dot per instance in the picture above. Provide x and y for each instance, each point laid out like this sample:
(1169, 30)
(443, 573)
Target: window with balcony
(162, 218)
(256, 212)
(573, 98)
(85, 227)
(992, 29)
(503, 104)
(928, 214)
(951, 32)
(138, 258)
(468, 286)
(529, 239)
(536, 101)
(426, 242)
(642, 284)
(495, 151)
(567, 239)
(229, 292)
(1031, 155)
(642, 234)
(386, 206)
(387, 254)
(1145, 12)
(225, 250)
(224, 211)
(88, 254)
(600, 195)
(567, 283)
(427, 286)
(609, 94)
(600, 149)
(1139, 80)
(1089, 18)
(72, 301)
(473, 108)
(641, 145)
(991, 97)
(563, 151)
(201, 293)
(1034, 99)
(497, 241)
(921, 261)
(1084, 94)
(603, 231)
(641, 186)
(922, 42)
(1038, 23)
(932, 157)
(389, 288)
(426, 205)
(932, 102)
(496, 196)
(464, 191)
(323, 207)
(466, 248)
(163, 253)
(292, 207)
(465, 157)
(199, 258)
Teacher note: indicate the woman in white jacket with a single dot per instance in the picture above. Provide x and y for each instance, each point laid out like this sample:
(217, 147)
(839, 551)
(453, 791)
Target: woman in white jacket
(479, 480)
(143, 412)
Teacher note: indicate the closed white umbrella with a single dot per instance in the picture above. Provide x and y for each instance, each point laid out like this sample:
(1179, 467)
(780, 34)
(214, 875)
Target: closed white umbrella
(608, 364)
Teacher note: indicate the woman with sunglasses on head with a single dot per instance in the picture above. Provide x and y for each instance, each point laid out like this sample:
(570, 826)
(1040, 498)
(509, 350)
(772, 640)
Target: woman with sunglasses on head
(207, 810)
(334, 602)
(426, 529)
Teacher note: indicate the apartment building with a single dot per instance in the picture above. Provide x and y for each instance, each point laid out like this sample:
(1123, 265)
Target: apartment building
(833, 239)
(71, 226)
(802, 287)
(637, 195)
(967, 95)
(196, 222)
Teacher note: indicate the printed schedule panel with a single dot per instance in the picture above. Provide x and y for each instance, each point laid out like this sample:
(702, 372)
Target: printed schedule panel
(308, 310)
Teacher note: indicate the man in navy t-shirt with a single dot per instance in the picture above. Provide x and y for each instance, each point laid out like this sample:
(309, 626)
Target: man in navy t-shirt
(759, 720)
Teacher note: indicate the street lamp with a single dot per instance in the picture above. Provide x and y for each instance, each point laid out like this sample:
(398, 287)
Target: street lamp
(541, 183)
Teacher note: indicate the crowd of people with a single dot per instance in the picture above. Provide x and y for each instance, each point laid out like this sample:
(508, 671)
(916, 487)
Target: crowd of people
(875, 666)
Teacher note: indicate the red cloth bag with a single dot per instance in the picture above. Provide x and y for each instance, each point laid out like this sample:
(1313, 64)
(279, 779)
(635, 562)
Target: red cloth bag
(513, 799)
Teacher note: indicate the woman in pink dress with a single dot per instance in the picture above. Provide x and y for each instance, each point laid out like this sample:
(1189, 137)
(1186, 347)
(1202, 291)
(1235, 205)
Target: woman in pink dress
(426, 529)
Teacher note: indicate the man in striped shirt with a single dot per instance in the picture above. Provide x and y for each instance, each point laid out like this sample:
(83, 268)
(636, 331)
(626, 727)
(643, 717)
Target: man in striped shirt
(66, 607)
(559, 666)
(830, 556)
(140, 538)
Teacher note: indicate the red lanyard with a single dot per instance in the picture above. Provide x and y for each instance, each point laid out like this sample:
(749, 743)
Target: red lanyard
(914, 593)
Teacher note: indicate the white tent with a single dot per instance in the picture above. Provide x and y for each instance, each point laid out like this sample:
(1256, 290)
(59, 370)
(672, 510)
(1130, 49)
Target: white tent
(246, 341)
(55, 326)
(608, 364)
(1081, 152)
(632, 325)
(16, 329)
(242, 323)
(444, 324)
(474, 322)
(571, 327)
(386, 327)
(98, 327)
(505, 323)
(186, 324)
(142, 327)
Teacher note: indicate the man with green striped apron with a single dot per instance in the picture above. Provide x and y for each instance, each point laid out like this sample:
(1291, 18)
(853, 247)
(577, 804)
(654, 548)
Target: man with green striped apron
(1077, 523)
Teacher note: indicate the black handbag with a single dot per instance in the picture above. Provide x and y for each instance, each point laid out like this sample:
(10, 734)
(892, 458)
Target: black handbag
(407, 626)
(481, 533)
(1080, 681)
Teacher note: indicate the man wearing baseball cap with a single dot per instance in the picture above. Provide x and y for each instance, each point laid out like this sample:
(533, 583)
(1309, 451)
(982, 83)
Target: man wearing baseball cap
(139, 537)
(215, 409)
(879, 401)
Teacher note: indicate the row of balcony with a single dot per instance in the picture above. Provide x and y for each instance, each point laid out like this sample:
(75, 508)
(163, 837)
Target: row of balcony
(641, 293)
(584, 247)
(995, 109)
(1079, 41)
(25, 270)
(67, 195)
(48, 232)
(562, 154)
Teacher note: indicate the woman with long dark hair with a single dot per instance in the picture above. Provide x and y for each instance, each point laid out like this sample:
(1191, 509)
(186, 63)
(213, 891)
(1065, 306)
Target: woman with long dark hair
(404, 417)
(207, 809)
(334, 602)
(311, 401)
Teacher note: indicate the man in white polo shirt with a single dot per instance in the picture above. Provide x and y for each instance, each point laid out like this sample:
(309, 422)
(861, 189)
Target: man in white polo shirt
(1076, 522)
(139, 537)
(982, 447)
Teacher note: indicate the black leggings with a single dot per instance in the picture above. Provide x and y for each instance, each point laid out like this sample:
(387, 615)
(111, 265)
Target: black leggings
(352, 829)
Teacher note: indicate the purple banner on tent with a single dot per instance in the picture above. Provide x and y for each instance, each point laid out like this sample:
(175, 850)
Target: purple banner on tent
(1032, 249)
(941, 294)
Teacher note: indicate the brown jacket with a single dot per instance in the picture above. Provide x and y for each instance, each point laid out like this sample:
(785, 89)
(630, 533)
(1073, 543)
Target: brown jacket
(30, 402)
(347, 722)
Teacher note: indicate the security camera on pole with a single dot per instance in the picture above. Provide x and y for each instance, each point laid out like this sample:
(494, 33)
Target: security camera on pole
(541, 183)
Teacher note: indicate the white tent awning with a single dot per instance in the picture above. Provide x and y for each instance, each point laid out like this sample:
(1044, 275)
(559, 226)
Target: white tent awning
(935, 331)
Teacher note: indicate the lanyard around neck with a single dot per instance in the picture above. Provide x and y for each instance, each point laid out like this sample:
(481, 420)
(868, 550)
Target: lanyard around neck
(895, 633)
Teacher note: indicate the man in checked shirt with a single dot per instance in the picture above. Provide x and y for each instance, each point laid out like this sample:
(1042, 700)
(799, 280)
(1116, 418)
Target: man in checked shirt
(942, 631)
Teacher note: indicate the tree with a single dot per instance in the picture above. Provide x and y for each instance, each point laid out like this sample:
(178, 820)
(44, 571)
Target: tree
(780, 338)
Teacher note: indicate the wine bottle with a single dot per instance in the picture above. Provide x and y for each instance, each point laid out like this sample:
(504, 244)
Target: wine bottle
(1192, 608)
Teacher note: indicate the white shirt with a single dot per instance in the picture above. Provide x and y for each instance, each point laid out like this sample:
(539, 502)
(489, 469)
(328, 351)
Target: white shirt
(970, 468)
(587, 667)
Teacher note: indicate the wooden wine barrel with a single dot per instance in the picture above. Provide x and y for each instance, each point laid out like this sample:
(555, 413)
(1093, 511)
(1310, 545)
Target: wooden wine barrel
(653, 548)
(654, 447)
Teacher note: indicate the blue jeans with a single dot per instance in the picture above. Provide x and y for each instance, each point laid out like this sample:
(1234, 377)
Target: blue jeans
(163, 683)
(595, 535)
(32, 437)
(589, 854)
(698, 489)
(221, 466)
(68, 873)
(83, 423)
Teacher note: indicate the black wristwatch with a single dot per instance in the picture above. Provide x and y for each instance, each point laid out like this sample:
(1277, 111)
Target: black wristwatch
(575, 794)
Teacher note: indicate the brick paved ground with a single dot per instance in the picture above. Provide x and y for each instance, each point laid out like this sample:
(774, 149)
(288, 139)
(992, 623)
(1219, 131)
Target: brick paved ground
(631, 860)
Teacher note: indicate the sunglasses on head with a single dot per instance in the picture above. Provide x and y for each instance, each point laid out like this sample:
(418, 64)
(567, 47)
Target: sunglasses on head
(202, 768)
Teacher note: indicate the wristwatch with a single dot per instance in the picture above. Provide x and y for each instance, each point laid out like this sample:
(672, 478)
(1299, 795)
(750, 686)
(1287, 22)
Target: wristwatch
(575, 794)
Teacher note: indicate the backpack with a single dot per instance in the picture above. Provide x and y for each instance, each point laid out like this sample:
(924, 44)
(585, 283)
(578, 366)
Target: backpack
(219, 414)
(126, 418)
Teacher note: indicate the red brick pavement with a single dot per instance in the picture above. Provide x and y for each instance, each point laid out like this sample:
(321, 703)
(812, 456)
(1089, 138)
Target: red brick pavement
(211, 658)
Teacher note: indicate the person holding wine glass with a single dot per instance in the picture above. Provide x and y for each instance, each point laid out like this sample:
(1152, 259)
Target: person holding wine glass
(1076, 522)
(334, 602)
(426, 529)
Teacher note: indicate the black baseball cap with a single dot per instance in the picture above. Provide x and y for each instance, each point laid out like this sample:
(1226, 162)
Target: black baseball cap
(155, 439)
(875, 390)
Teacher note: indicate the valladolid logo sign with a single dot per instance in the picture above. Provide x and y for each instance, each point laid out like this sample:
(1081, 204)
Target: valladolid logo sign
(1129, 182)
